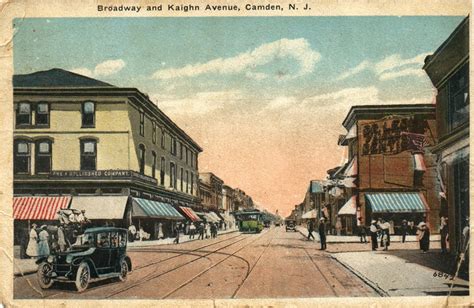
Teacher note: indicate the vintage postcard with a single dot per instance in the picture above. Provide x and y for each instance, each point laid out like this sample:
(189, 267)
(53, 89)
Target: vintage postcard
(247, 153)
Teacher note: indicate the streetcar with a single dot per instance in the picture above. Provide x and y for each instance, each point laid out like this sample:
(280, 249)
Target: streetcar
(249, 220)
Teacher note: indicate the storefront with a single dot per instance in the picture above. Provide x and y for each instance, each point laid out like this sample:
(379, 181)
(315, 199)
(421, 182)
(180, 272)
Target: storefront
(104, 210)
(347, 216)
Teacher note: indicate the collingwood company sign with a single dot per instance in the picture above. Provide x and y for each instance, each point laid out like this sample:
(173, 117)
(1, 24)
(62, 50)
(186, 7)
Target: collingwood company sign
(102, 174)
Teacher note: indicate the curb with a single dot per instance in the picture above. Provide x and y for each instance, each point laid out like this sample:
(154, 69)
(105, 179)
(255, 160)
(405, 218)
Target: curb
(367, 281)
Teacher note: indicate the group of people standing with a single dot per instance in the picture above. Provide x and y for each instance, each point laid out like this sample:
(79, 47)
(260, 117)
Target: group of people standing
(204, 230)
(321, 231)
(38, 243)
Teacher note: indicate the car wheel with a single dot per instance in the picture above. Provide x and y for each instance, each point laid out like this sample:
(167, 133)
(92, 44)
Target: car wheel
(83, 277)
(44, 279)
(123, 270)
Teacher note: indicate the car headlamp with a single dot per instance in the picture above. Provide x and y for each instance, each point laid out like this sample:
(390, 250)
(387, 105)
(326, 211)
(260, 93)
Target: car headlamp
(50, 259)
(68, 259)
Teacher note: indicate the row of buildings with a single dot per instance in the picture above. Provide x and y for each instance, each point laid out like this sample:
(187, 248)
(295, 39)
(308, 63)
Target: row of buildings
(85, 144)
(404, 162)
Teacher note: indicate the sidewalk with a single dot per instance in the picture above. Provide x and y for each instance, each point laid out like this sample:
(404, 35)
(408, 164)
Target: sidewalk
(355, 239)
(28, 266)
(410, 274)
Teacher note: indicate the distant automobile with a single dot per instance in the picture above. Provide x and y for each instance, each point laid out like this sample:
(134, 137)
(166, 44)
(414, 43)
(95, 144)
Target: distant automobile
(290, 225)
(277, 223)
(99, 253)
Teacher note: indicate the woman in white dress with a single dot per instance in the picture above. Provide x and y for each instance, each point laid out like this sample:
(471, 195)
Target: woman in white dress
(32, 248)
(43, 247)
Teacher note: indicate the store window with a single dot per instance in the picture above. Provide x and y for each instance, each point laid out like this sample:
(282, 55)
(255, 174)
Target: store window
(88, 154)
(43, 156)
(153, 170)
(23, 114)
(141, 157)
(42, 114)
(461, 195)
(22, 157)
(162, 171)
(88, 114)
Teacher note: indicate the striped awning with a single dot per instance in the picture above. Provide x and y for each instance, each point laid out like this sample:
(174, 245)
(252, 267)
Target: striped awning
(101, 207)
(402, 202)
(349, 208)
(215, 216)
(190, 213)
(150, 208)
(39, 208)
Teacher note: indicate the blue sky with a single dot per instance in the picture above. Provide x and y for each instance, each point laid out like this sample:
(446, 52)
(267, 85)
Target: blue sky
(240, 84)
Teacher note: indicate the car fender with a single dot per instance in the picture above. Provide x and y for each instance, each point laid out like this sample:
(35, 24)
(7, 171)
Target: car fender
(78, 260)
(129, 262)
(41, 259)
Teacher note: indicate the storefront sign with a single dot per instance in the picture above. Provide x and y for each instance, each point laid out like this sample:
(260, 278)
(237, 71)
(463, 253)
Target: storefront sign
(102, 174)
(385, 137)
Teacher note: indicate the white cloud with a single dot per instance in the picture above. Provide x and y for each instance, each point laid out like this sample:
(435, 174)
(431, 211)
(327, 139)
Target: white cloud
(347, 96)
(355, 70)
(105, 68)
(109, 67)
(256, 75)
(391, 67)
(282, 102)
(402, 73)
(199, 104)
(297, 49)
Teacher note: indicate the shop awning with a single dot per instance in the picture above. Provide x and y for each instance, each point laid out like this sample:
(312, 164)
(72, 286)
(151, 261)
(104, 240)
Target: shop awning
(228, 217)
(351, 170)
(150, 208)
(190, 213)
(211, 218)
(310, 214)
(39, 208)
(403, 202)
(349, 208)
(419, 162)
(101, 207)
(215, 216)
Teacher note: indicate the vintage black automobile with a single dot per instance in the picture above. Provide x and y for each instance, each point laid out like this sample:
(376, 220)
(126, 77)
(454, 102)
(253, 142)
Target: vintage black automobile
(290, 225)
(98, 253)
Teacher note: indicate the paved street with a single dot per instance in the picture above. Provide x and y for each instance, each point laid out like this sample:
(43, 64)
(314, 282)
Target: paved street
(271, 264)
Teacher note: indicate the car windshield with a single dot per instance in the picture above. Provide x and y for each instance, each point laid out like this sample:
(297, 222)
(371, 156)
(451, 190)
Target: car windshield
(86, 239)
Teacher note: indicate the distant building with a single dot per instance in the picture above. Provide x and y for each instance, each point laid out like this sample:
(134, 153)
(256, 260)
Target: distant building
(227, 198)
(314, 206)
(389, 173)
(84, 143)
(242, 201)
(448, 69)
(210, 189)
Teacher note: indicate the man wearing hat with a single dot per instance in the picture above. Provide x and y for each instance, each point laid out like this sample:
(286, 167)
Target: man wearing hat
(322, 233)
(373, 234)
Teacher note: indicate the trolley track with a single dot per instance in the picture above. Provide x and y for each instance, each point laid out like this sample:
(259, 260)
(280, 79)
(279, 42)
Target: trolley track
(153, 276)
(331, 287)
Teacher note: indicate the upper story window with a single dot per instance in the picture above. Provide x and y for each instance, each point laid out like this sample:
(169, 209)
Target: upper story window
(153, 135)
(21, 163)
(187, 155)
(43, 155)
(162, 138)
(172, 175)
(192, 184)
(141, 154)
(173, 145)
(182, 179)
(142, 123)
(88, 154)
(153, 170)
(192, 159)
(23, 114)
(88, 114)
(42, 114)
(162, 171)
(181, 150)
(187, 181)
(459, 98)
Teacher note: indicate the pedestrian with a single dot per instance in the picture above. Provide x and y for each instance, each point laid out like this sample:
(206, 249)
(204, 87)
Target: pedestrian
(404, 230)
(338, 226)
(43, 247)
(192, 230)
(201, 231)
(207, 229)
(362, 231)
(24, 239)
(310, 229)
(160, 230)
(176, 230)
(322, 233)
(385, 231)
(373, 234)
(443, 231)
(132, 231)
(32, 249)
(213, 228)
(380, 222)
(424, 236)
(61, 239)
